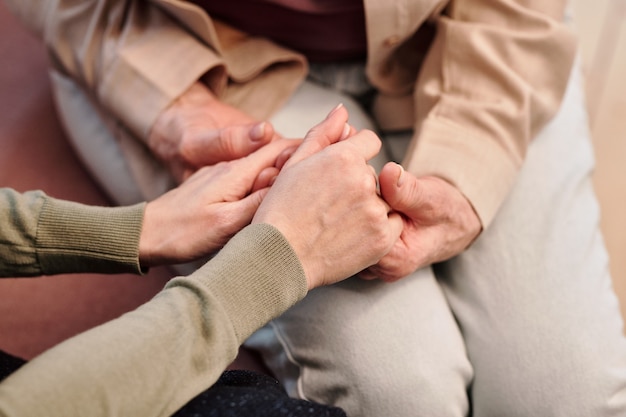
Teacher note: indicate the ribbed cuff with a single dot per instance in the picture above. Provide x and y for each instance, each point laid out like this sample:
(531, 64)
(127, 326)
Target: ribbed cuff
(256, 277)
(73, 237)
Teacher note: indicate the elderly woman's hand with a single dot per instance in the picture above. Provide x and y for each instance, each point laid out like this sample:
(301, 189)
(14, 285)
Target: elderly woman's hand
(191, 134)
(439, 223)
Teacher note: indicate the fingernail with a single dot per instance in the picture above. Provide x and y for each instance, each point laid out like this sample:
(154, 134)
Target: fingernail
(346, 132)
(258, 131)
(400, 177)
(333, 111)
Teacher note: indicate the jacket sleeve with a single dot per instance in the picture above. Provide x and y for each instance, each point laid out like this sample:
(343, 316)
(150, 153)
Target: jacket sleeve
(132, 56)
(153, 360)
(41, 235)
(493, 77)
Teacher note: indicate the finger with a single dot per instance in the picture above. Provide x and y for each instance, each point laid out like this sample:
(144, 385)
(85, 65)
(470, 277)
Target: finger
(286, 154)
(245, 171)
(375, 176)
(365, 143)
(396, 226)
(265, 178)
(385, 274)
(367, 275)
(332, 129)
(395, 230)
(246, 208)
(251, 203)
(227, 144)
(350, 131)
(264, 157)
(400, 190)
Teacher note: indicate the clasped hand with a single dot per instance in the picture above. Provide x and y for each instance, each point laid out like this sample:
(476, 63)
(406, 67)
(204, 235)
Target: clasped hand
(323, 199)
(438, 222)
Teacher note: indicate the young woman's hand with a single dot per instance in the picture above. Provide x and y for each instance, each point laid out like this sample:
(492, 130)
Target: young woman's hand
(197, 218)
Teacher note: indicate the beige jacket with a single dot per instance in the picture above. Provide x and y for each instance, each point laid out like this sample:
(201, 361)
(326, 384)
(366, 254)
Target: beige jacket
(493, 76)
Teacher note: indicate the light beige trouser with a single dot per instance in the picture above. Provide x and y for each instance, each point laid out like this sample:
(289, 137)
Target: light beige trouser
(525, 323)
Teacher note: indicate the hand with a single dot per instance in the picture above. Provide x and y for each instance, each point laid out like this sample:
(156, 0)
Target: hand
(324, 202)
(439, 222)
(189, 134)
(198, 217)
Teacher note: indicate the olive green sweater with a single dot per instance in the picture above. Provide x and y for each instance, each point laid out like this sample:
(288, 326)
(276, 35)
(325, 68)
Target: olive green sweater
(151, 361)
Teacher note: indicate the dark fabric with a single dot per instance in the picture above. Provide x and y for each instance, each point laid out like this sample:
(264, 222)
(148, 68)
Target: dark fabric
(9, 364)
(250, 394)
(323, 30)
(235, 394)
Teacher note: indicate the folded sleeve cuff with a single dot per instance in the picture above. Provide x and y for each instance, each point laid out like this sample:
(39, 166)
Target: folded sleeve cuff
(150, 87)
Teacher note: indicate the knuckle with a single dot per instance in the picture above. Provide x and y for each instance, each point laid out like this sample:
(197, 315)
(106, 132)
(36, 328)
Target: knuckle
(370, 134)
(342, 157)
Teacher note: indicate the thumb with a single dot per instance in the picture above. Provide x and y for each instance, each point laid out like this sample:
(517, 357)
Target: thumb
(399, 189)
(211, 146)
(247, 207)
(330, 130)
(265, 178)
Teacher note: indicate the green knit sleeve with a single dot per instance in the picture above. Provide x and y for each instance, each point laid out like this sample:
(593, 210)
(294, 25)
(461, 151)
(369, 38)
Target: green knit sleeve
(255, 277)
(19, 214)
(151, 361)
(41, 235)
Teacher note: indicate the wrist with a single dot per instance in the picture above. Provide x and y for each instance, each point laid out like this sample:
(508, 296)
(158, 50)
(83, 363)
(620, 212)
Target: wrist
(148, 241)
(171, 121)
